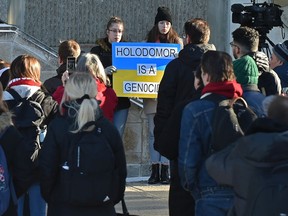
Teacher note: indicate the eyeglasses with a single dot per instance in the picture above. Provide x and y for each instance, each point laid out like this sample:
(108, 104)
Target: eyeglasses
(116, 31)
(233, 45)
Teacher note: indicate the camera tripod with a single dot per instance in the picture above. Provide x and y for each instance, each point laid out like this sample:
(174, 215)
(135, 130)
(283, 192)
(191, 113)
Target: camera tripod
(264, 46)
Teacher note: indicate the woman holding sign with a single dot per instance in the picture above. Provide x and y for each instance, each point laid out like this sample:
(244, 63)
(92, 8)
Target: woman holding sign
(162, 32)
(114, 33)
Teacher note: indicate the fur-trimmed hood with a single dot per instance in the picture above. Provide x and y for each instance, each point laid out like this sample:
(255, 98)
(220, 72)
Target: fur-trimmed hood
(5, 120)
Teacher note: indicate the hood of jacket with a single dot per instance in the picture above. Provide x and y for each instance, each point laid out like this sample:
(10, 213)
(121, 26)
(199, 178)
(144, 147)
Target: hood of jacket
(266, 143)
(191, 53)
(5, 121)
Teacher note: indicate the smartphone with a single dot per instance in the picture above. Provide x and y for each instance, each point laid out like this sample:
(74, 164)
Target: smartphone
(71, 64)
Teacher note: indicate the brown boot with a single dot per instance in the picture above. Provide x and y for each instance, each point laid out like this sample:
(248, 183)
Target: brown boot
(154, 178)
(164, 178)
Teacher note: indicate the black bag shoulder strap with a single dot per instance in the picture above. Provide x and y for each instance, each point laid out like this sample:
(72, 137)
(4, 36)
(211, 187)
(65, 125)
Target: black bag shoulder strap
(17, 97)
(15, 94)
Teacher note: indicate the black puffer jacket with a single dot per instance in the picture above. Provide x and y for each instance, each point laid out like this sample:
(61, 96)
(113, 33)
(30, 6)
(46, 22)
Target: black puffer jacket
(265, 146)
(104, 51)
(177, 84)
(50, 108)
(53, 156)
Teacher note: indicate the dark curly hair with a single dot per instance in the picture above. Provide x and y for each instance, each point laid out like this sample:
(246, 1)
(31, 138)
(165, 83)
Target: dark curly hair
(247, 38)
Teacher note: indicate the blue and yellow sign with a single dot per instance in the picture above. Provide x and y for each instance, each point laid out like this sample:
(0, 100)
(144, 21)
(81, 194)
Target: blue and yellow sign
(140, 67)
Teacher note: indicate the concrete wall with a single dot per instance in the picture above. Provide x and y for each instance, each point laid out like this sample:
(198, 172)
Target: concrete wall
(86, 20)
(4, 10)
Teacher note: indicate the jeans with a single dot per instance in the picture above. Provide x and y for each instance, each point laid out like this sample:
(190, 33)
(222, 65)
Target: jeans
(155, 156)
(37, 204)
(214, 202)
(119, 120)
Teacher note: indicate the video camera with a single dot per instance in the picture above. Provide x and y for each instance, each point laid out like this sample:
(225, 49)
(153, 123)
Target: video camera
(260, 16)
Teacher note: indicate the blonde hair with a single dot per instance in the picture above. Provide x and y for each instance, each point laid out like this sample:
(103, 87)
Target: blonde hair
(86, 108)
(91, 63)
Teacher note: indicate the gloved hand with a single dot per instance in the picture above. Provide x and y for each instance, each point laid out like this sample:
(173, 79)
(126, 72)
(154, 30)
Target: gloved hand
(110, 70)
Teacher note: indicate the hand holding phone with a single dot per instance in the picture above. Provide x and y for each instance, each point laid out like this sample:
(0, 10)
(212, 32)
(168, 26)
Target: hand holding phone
(65, 77)
(71, 64)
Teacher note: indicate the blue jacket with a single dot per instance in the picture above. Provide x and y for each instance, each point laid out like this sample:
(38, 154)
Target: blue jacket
(195, 135)
(254, 99)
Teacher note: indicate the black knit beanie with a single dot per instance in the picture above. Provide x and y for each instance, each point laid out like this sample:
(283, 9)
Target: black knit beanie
(281, 51)
(163, 13)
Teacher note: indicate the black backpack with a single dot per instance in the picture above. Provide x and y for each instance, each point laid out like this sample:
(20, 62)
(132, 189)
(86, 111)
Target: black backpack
(28, 116)
(88, 175)
(268, 192)
(231, 119)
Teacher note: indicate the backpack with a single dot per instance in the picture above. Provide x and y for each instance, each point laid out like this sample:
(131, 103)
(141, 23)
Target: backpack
(268, 192)
(6, 185)
(28, 116)
(231, 119)
(87, 176)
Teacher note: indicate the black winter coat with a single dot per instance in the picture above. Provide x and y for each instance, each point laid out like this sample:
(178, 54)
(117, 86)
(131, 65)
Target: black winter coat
(104, 51)
(177, 84)
(264, 147)
(54, 82)
(54, 154)
(168, 142)
(50, 108)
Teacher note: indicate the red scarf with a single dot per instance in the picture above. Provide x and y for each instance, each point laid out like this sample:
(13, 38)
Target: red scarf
(23, 81)
(230, 89)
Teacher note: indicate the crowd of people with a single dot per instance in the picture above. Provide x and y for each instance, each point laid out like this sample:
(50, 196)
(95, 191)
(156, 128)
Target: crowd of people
(79, 106)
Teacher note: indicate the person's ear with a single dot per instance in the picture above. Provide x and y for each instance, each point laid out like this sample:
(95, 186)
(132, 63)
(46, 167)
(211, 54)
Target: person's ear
(60, 61)
(188, 39)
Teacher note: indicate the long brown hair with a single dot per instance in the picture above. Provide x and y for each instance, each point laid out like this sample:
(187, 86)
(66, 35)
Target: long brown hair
(171, 36)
